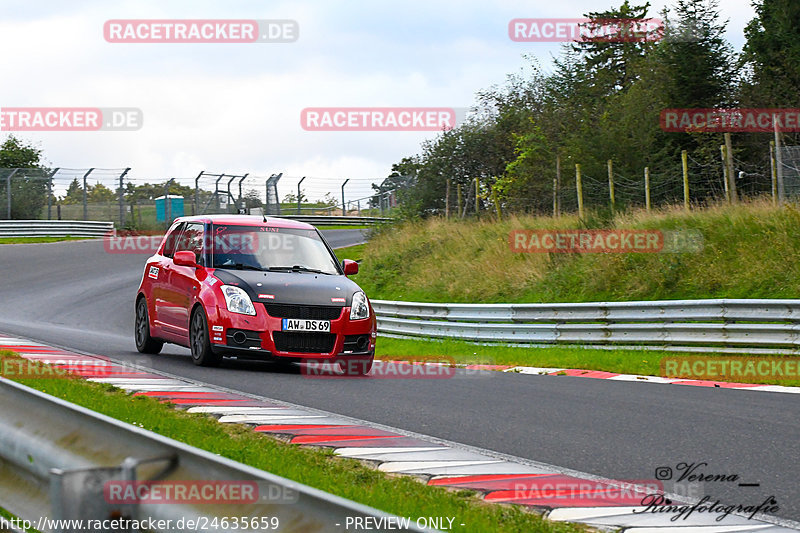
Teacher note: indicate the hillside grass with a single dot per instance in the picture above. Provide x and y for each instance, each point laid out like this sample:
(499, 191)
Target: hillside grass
(751, 250)
(38, 240)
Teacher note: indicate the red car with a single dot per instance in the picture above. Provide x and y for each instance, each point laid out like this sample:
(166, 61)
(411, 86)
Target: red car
(253, 287)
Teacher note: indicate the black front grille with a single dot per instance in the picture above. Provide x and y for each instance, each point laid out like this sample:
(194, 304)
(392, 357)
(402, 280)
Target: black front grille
(303, 342)
(308, 312)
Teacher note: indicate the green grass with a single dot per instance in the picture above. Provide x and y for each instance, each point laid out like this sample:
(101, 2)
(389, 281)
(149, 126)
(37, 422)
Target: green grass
(621, 361)
(356, 253)
(4, 513)
(401, 495)
(750, 251)
(34, 240)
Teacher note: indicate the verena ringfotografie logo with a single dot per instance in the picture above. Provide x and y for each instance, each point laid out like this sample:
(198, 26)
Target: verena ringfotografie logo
(604, 241)
(201, 31)
(730, 120)
(552, 30)
(378, 118)
(70, 119)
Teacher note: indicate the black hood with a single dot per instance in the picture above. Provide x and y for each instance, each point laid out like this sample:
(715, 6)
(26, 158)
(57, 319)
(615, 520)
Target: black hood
(291, 287)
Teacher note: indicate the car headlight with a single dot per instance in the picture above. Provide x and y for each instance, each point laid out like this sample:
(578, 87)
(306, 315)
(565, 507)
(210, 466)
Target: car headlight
(237, 300)
(360, 308)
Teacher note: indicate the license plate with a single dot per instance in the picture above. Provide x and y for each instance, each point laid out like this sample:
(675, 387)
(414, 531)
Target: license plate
(295, 324)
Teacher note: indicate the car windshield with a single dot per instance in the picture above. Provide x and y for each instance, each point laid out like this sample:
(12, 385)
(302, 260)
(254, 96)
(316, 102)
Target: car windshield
(270, 249)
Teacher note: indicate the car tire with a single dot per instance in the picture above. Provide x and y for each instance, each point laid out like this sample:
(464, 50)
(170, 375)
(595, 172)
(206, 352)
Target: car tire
(144, 342)
(202, 355)
(355, 366)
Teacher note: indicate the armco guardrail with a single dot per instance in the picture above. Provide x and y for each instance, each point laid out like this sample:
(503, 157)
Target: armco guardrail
(337, 221)
(54, 228)
(713, 323)
(56, 457)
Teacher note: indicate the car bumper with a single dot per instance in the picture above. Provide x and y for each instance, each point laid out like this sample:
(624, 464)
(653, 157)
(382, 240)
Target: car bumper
(261, 337)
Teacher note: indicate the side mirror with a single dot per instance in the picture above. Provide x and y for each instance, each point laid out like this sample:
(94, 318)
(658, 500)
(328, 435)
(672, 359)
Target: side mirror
(350, 267)
(185, 258)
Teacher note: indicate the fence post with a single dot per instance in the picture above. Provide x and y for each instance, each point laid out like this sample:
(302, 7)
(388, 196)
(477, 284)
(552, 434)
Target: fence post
(197, 192)
(685, 163)
(241, 200)
(496, 203)
(50, 193)
(647, 188)
(729, 164)
(8, 192)
(477, 199)
(447, 199)
(611, 184)
(579, 189)
(773, 175)
(167, 204)
(556, 186)
(458, 199)
(358, 206)
(725, 180)
(49, 196)
(122, 198)
(779, 162)
(85, 195)
(298, 194)
(344, 206)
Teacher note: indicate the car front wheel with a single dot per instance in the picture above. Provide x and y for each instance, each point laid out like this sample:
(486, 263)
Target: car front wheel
(198, 340)
(144, 342)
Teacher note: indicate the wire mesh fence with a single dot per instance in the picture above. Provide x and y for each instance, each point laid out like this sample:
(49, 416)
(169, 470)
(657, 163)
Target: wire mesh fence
(145, 203)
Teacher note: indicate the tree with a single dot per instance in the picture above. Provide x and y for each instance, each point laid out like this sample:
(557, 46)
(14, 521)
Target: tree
(772, 55)
(610, 58)
(291, 198)
(252, 198)
(698, 62)
(99, 193)
(74, 193)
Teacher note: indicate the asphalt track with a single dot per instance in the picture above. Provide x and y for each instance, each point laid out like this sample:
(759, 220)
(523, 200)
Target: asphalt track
(78, 296)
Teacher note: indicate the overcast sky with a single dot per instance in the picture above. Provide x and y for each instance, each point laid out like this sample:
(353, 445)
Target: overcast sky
(235, 108)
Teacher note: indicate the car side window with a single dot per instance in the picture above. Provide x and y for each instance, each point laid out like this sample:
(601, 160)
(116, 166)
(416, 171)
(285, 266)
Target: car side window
(172, 240)
(192, 240)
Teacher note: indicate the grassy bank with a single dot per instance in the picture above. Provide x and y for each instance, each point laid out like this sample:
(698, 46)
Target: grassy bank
(749, 251)
(619, 360)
